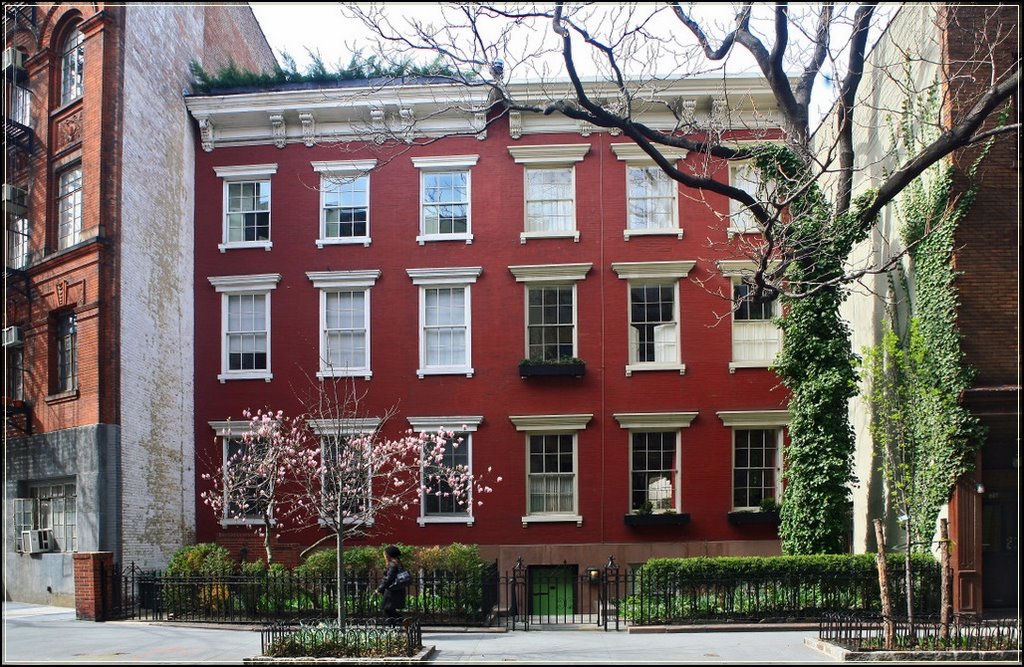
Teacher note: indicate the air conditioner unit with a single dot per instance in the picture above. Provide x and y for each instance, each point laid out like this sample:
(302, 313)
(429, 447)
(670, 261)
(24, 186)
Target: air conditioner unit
(36, 541)
(14, 62)
(15, 200)
(12, 337)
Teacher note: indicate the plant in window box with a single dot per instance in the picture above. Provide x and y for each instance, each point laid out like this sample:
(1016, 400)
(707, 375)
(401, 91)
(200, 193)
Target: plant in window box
(561, 367)
(645, 515)
(766, 513)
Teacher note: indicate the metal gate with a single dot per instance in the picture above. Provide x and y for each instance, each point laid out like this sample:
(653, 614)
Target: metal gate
(561, 595)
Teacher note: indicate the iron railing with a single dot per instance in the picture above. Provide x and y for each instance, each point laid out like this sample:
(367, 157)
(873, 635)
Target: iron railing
(861, 632)
(358, 638)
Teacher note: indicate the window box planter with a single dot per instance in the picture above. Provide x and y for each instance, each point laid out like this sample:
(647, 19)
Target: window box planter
(574, 369)
(656, 519)
(742, 518)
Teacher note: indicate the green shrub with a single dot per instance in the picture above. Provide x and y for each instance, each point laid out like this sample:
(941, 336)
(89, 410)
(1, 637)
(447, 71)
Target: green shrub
(205, 559)
(326, 640)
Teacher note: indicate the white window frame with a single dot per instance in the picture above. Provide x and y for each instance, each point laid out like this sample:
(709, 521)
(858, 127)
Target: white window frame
(536, 276)
(657, 422)
(756, 420)
(228, 286)
(341, 428)
(441, 164)
(636, 158)
(29, 507)
(344, 281)
(255, 173)
(742, 221)
(549, 157)
(737, 271)
(564, 424)
(445, 278)
(639, 274)
(226, 431)
(72, 66)
(330, 174)
(69, 208)
(466, 426)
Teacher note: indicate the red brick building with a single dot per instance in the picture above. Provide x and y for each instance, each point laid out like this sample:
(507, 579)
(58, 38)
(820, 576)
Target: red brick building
(423, 273)
(98, 455)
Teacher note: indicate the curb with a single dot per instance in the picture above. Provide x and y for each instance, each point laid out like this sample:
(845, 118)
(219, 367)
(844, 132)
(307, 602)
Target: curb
(845, 655)
(424, 654)
(723, 627)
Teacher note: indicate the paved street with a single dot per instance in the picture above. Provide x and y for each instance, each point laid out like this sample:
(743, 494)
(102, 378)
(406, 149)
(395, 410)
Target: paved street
(51, 634)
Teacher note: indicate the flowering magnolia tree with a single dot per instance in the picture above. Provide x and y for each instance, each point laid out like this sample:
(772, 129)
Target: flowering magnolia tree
(332, 470)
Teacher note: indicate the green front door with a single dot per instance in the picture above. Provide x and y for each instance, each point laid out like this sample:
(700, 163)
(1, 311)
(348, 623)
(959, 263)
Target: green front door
(552, 590)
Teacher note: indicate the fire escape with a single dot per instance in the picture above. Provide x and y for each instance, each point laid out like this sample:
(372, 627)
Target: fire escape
(19, 144)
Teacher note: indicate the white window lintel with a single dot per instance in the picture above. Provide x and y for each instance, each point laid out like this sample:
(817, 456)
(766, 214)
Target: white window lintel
(529, 273)
(633, 153)
(652, 270)
(444, 162)
(462, 275)
(263, 282)
(458, 424)
(346, 167)
(551, 423)
(353, 426)
(244, 171)
(343, 279)
(654, 420)
(754, 418)
(553, 154)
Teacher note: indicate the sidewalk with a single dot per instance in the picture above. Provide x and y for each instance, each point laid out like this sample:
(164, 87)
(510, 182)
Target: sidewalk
(36, 634)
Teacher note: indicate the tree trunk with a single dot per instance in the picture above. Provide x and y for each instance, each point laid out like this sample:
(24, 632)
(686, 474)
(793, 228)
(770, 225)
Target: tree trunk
(908, 581)
(340, 579)
(945, 605)
(883, 586)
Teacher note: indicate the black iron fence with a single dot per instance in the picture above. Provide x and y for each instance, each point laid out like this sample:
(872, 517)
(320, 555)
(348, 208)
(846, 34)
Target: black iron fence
(860, 632)
(527, 596)
(437, 598)
(359, 638)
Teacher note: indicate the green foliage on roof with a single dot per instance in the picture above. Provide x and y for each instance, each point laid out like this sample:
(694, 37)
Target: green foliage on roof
(231, 76)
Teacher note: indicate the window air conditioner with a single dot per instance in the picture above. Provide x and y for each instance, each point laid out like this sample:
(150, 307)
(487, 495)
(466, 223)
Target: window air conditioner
(15, 200)
(36, 541)
(12, 337)
(14, 61)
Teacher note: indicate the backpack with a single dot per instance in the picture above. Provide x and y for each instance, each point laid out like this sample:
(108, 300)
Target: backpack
(402, 579)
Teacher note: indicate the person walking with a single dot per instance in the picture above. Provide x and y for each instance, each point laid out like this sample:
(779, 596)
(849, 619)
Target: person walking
(393, 586)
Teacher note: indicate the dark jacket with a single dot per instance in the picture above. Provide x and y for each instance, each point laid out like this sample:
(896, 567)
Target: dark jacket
(394, 597)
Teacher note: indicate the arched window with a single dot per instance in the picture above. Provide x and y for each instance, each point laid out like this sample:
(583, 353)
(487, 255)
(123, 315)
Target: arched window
(71, 67)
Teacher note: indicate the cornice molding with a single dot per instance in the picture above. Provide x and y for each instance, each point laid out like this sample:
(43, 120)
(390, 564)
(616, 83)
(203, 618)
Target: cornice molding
(551, 423)
(644, 270)
(353, 426)
(652, 420)
(457, 424)
(534, 273)
(553, 154)
(329, 279)
(633, 153)
(255, 283)
(754, 417)
(452, 275)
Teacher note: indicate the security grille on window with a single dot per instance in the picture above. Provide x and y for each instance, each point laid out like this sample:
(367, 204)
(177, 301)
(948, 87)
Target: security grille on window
(72, 67)
(549, 200)
(67, 352)
(552, 474)
(248, 211)
(652, 200)
(653, 470)
(69, 208)
(446, 202)
(551, 327)
(346, 206)
(247, 332)
(653, 331)
(754, 466)
(438, 498)
(49, 506)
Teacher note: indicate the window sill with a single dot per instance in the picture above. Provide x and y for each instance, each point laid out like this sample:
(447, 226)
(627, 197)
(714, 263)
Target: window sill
(266, 377)
(364, 373)
(244, 522)
(467, 371)
(525, 236)
(736, 231)
(61, 397)
(733, 365)
(668, 231)
(663, 519)
(424, 520)
(425, 238)
(634, 368)
(553, 518)
(265, 245)
(541, 369)
(355, 240)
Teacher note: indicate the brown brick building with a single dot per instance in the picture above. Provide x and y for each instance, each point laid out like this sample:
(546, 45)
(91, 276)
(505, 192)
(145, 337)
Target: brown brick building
(97, 321)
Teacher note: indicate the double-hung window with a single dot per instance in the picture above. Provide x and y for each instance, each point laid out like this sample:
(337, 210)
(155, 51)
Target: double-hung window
(445, 198)
(347, 469)
(757, 456)
(17, 241)
(344, 201)
(743, 175)
(551, 312)
(552, 466)
(549, 189)
(440, 503)
(756, 339)
(243, 459)
(445, 332)
(652, 196)
(66, 336)
(655, 472)
(69, 207)
(72, 67)
(245, 325)
(653, 290)
(246, 206)
(21, 105)
(344, 321)
(15, 388)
